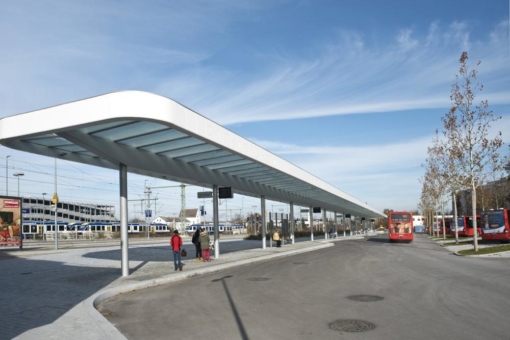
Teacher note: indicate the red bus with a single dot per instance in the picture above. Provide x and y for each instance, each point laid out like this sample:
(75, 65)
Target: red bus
(465, 225)
(496, 225)
(448, 222)
(400, 226)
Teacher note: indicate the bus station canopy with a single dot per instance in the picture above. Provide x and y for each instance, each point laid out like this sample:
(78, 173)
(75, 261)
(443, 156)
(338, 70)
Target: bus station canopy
(157, 137)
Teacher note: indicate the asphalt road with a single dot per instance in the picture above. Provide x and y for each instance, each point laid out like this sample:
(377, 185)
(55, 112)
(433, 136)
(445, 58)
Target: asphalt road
(428, 292)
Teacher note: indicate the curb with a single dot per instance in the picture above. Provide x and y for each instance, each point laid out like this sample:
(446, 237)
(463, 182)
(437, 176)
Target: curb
(110, 332)
(484, 255)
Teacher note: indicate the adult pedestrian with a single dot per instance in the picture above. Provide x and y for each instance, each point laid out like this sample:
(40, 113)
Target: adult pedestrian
(204, 244)
(176, 244)
(276, 237)
(198, 249)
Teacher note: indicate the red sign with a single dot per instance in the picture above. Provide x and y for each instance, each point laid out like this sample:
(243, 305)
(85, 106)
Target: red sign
(11, 204)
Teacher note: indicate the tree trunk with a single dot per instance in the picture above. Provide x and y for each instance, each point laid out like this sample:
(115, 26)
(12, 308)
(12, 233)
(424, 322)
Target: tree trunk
(455, 218)
(437, 224)
(444, 224)
(473, 205)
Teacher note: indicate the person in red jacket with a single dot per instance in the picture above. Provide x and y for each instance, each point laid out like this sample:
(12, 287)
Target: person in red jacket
(176, 244)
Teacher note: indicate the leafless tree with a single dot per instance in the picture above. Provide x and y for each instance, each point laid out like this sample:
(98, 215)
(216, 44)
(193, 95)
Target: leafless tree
(467, 128)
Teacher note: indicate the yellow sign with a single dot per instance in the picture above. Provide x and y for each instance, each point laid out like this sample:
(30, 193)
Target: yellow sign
(55, 198)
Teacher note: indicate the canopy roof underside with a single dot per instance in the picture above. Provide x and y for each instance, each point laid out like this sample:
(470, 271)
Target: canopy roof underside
(155, 136)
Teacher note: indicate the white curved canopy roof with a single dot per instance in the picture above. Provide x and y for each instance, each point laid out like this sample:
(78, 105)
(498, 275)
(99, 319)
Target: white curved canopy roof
(156, 136)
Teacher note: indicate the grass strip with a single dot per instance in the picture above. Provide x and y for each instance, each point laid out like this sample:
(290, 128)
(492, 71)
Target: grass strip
(487, 250)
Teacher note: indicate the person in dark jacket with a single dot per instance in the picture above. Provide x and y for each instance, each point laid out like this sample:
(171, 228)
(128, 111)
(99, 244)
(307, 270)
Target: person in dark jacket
(195, 240)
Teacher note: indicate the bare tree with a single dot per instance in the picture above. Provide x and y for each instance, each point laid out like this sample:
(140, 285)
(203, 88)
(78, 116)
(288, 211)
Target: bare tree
(438, 166)
(430, 190)
(467, 129)
(426, 205)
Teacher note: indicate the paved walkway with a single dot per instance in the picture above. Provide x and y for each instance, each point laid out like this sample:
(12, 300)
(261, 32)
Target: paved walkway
(51, 294)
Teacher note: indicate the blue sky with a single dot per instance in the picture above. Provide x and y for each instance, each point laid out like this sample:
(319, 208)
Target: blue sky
(351, 91)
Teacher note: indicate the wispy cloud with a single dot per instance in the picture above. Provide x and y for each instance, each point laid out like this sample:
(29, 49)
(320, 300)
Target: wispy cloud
(347, 77)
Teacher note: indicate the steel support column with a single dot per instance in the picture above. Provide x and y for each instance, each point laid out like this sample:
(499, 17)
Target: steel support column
(291, 217)
(263, 217)
(310, 218)
(324, 223)
(124, 243)
(216, 222)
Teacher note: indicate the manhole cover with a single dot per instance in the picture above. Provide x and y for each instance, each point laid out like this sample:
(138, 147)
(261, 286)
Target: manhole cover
(366, 298)
(300, 262)
(258, 279)
(352, 326)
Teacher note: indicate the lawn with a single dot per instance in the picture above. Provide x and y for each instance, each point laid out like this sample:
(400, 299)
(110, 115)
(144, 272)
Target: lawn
(487, 250)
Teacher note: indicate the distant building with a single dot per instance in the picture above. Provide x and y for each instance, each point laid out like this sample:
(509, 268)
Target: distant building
(38, 209)
(493, 195)
(192, 217)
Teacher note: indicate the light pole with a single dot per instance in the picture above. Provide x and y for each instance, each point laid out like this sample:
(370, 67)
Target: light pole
(253, 227)
(55, 200)
(18, 174)
(7, 175)
(43, 205)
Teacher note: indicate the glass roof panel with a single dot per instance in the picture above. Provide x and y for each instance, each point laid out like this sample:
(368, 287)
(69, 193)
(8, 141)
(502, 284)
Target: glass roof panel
(204, 155)
(71, 148)
(49, 141)
(172, 145)
(198, 149)
(255, 169)
(265, 174)
(88, 153)
(129, 130)
(275, 181)
(104, 126)
(239, 167)
(228, 164)
(153, 138)
(264, 179)
(218, 160)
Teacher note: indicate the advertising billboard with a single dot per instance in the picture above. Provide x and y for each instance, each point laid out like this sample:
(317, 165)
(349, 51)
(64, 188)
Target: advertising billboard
(10, 221)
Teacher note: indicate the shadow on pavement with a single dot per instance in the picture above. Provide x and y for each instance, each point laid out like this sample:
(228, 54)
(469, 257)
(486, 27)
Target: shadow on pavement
(239, 322)
(164, 254)
(377, 239)
(37, 292)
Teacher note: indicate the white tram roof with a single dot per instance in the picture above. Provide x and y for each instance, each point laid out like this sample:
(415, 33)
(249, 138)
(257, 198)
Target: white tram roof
(156, 136)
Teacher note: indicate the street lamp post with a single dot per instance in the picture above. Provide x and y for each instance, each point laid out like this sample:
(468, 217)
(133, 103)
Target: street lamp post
(43, 205)
(18, 174)
(7, 175)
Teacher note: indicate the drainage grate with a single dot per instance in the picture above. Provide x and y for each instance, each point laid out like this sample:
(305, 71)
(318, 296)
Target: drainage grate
(300, 262)
(258, 279)
(365, 298)
(352, 326)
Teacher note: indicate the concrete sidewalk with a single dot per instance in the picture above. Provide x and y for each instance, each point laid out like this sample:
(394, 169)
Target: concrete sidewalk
(56, 291)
